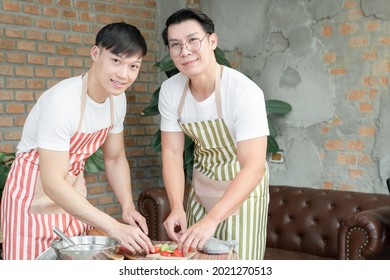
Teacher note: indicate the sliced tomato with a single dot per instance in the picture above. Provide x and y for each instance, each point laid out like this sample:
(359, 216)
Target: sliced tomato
(178, 253)
(166, 254)
(156, 249)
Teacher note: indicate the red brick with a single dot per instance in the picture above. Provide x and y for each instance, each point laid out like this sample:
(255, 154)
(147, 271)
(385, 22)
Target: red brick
(365, 160)
(24, 96)
(55, 37)
(11, 6)
(355, 145)
(84, 5)
(69, 14)
(33, 10)
(358, 42)
(334, 145)
(24, 71)
(56, 61)
(63, 25)
(6, 121)
(43, 72)
(74, 62)
(350, 4)
(329, 57)
(20, 121)
(81, 27)
(14, 33)
(36, 59)
(367, 131)
(35, 84)
(346, 187)
(14, 108)
(35, 35)
(365, 107)
(44, 23)
(16, 83)
(46, 48)
(348, 28)
(51, 12)
(25, 46)
(87, 16)
(343, 159)
(6, 70)
(7, 44)
(373, 26)
(356, 94)
(338, 71)
(385, 40)
(369, 55)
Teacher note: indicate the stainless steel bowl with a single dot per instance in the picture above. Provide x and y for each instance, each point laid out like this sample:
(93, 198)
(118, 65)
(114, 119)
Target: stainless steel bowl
(88, 247)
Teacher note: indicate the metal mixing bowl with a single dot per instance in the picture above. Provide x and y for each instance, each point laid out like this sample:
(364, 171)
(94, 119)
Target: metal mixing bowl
(88, 247)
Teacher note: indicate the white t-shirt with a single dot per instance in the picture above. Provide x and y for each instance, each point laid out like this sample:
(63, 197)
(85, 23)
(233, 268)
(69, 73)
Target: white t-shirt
(55, 117)
(242, 102)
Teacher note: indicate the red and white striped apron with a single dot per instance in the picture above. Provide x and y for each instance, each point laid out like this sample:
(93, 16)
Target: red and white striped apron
(27, 214)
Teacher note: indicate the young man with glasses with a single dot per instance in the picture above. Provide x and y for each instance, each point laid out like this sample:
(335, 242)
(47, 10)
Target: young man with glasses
(224, 113)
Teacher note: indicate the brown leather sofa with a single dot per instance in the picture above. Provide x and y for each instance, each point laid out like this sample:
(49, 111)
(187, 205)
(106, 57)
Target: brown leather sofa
(306, 223)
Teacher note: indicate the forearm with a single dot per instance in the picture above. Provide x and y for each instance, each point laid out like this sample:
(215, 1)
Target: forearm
(174, 181)
(118, 175)
(236, 194)
(74, 203)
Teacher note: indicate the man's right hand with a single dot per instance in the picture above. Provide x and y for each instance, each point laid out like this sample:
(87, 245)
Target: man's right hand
(175, 220)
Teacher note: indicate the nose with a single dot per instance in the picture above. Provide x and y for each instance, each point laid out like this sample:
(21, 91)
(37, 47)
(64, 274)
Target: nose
(184, 49)
(123, 71)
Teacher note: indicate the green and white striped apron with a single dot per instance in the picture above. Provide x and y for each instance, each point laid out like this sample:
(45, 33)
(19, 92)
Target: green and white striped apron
(215, 165)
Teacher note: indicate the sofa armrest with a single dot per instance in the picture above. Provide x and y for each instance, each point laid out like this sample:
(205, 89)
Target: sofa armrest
(365, 235)
(153, 204)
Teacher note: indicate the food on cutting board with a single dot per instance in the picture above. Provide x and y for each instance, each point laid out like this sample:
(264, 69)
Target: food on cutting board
(167, 250)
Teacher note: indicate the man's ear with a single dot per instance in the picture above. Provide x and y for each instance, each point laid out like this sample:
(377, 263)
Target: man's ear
(213, 40)
(95, 52)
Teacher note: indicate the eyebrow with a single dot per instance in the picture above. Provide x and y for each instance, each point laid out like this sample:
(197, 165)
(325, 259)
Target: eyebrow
(188, 36)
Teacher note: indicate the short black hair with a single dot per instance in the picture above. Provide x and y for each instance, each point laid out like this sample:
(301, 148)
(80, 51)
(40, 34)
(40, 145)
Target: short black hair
(121, 38)
(186, 14)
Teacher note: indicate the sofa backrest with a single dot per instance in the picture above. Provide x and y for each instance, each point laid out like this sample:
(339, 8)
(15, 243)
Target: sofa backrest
(307, 220)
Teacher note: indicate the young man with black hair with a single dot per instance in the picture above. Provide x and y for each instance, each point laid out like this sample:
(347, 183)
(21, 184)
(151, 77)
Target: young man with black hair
(69, 122)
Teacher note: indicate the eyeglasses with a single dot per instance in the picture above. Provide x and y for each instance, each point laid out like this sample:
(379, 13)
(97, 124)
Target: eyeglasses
(192, 45)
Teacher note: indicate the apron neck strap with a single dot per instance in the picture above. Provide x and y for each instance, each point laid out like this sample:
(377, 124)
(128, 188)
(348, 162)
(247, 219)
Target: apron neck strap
(84, 93)
(217, 93)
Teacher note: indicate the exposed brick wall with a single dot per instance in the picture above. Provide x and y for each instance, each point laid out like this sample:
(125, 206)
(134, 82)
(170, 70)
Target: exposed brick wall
(45, 41)
(357, 56)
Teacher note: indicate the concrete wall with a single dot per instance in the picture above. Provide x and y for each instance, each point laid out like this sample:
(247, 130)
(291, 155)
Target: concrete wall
(330, 61)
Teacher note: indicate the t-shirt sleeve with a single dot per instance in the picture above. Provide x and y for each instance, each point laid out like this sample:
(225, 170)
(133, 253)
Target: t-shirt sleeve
(120, 113)
(251, 116)
(56, 125)
(167, 105)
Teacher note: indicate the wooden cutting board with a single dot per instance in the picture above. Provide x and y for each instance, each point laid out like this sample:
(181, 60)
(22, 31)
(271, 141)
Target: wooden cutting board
(157, 256)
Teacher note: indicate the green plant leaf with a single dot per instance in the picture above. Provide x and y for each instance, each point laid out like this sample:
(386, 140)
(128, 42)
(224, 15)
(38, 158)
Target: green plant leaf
(166, 64)
(156, 141)
(277, 106)
(272, 145)
(220, 56)
(272, 129)
(151, 110)
(95, 162)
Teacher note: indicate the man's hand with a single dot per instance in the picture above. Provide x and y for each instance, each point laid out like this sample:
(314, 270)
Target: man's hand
(134, 218)
(174, 220)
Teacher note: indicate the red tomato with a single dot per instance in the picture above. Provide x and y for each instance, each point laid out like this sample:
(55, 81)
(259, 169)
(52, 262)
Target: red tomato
(178, 253)
(166, 254)
(156, 249)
